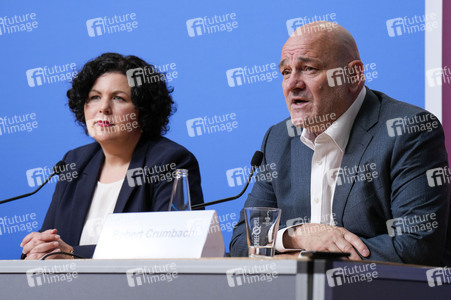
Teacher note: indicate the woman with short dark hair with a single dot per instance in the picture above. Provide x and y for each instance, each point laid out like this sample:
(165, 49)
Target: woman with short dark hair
(124, 104)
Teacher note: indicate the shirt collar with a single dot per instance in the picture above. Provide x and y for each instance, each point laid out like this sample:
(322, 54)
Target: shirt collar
(339, 130)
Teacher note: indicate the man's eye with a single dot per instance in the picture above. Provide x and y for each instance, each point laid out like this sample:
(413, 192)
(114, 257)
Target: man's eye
(309, 69)
(285, 72)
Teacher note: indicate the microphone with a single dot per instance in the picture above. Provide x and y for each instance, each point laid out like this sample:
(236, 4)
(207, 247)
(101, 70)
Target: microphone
(57, 169)
(255, 163)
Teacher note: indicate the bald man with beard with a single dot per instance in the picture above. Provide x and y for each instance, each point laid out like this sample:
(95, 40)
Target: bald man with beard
(355, 167)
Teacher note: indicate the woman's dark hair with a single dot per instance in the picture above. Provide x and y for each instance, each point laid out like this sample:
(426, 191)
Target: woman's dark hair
(150, 95)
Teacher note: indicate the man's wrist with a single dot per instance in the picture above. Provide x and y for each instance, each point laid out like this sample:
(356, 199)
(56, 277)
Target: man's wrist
(289, 238)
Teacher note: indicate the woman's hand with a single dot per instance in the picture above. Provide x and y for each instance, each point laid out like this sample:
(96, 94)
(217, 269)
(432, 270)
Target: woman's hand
(37, 244)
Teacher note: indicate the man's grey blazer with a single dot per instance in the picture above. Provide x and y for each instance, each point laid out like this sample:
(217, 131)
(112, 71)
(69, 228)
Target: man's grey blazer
(400, 212)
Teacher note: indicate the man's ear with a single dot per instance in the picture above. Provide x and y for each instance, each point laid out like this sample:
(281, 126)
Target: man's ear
(357, 76)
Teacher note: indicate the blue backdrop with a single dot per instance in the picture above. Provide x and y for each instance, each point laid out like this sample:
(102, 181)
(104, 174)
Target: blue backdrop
(221, 58)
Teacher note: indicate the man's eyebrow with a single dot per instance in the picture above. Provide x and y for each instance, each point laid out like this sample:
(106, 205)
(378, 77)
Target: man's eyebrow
(300, 58)
(282, 62)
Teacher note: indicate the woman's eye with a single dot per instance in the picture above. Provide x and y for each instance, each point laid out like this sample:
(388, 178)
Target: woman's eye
(118, 98)
(93, 98)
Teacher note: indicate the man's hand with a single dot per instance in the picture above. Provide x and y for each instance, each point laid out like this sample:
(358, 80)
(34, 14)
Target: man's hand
(37, 244)
(322, 237)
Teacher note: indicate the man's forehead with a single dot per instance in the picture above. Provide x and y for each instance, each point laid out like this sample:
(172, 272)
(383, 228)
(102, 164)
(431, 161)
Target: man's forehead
(306, 48)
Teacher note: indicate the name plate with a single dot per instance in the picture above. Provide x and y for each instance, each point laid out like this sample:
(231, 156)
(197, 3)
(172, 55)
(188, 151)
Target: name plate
(178, 234)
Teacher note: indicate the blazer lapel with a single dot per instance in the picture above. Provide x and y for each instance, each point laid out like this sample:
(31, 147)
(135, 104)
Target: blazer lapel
(83, 194)
(358, 142)
(138, 161)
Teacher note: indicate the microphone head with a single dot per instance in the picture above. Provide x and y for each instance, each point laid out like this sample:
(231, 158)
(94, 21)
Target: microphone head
(257, 159)
(59, 167)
